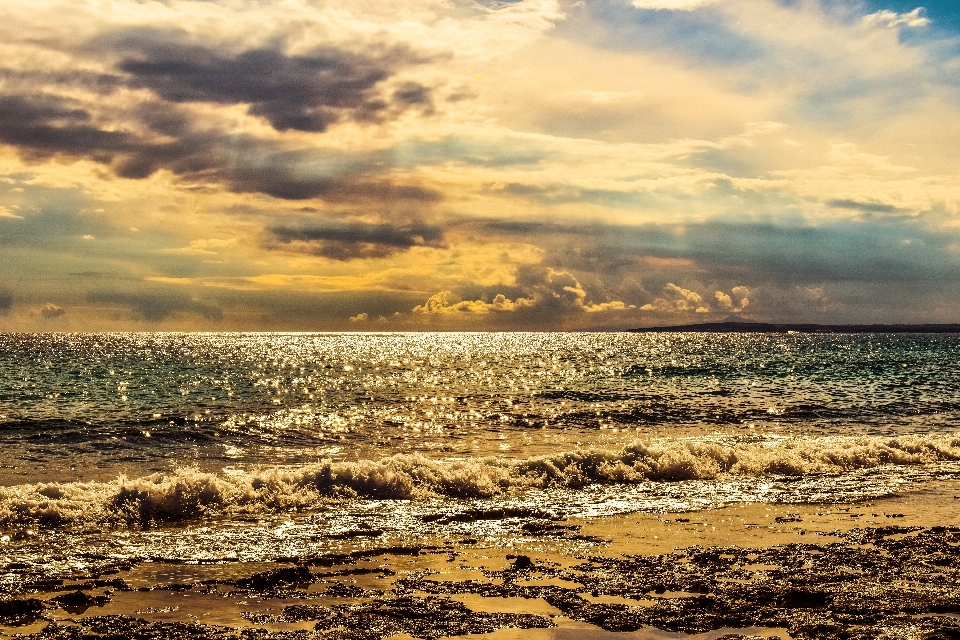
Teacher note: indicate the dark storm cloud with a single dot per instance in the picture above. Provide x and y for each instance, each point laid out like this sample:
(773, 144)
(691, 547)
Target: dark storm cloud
(866, 207)
(357, 241)
(308, 92)
(414, 94)
(89, 80)
(511, 227)
(42, 126)
(6, 301)
(302, 92)
(48, 125)
(280, 176)
(154, 307)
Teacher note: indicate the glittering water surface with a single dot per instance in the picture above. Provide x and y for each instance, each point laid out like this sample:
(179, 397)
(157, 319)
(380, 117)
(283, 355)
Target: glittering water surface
(347, 434)
(264, 398)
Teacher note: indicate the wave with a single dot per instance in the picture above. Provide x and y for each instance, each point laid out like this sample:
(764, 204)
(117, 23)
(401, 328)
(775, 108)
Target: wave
(188, 493)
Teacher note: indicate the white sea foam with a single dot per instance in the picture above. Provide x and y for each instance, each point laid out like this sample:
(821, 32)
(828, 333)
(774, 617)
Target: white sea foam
(188, 493)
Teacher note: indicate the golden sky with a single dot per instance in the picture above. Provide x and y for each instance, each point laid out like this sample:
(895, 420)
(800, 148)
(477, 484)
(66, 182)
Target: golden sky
(461, 165)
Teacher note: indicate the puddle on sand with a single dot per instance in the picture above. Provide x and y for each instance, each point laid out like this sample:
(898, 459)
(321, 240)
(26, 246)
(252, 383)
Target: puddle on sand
(547, 582)
(153, 574)
(185, 606)
(460, 574)
(572, 630)
(606, 599)
(482, 604)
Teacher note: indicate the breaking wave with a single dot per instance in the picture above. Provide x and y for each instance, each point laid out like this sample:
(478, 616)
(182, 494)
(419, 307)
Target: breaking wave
(188, 493)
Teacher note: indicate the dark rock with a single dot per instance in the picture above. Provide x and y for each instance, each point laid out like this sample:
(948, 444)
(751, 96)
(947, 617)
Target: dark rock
(117, 583)
(78, 601)
(473, 515)
(275, 577)
(787, 518)
(30, 607)
(801, 599)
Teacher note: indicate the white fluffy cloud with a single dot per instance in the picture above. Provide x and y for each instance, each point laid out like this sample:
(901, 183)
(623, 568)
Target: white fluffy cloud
(890, 19)
(672, 5)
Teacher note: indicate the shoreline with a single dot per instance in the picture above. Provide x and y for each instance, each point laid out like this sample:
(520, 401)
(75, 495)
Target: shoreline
(749, 326)
(746, 570)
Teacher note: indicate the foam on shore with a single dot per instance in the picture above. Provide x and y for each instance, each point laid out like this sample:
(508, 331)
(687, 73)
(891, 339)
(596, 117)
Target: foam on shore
(188, 493)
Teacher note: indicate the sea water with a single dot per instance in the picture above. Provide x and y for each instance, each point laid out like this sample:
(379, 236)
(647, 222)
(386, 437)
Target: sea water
(248, 447)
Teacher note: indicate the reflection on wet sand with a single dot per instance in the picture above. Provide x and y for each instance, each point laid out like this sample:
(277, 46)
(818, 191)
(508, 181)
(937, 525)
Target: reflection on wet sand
(860, 570)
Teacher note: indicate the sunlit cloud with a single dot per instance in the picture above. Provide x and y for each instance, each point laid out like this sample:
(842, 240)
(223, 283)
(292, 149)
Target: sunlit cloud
(677, 300)
(546, 291)
(737, 303)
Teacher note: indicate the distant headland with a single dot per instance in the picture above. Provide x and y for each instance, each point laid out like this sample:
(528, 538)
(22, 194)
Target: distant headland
(747, 326)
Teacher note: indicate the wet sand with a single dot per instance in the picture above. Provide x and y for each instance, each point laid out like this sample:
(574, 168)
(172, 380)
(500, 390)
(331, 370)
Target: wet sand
(884, 568)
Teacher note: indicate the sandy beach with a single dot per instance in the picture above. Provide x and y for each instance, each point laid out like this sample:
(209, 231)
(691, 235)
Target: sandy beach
(883, 568)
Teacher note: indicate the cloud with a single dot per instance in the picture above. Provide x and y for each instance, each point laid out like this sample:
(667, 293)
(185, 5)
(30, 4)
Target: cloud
(890, 19)
(205, 246)
(6, 301)
(677, 300)
(546, 291)
(49, 311)
(356, 241)
(154, 307)
(42, 126)
(7, 212)
(893, 249)
(672, 5)
(626, 182)
(869, 207)
(441, 303)
(46, 125)
(414, 94)
(173, 103)
(727, 302)
(301, 92)
(285, 177)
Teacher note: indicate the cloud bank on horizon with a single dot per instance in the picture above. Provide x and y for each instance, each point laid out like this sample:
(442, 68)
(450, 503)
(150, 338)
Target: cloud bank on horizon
(461, 164)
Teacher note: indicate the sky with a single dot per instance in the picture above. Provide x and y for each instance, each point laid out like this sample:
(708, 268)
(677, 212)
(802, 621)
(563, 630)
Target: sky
(305, 165)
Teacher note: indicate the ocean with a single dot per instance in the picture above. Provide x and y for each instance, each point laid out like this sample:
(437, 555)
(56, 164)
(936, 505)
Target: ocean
(235, 450)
